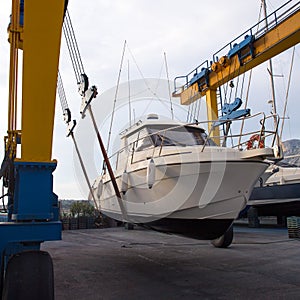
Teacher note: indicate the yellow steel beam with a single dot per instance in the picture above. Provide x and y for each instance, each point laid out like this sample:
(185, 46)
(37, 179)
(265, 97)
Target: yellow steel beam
(41, 48)
(283, 36)
(14, 31)
(212, 114)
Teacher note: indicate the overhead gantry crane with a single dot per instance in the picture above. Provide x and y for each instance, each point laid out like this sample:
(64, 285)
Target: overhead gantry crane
(240, 55)
(27, 272)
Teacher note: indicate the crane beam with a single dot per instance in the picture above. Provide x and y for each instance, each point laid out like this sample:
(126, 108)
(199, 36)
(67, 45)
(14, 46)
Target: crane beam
(41, 47)
(284, 34)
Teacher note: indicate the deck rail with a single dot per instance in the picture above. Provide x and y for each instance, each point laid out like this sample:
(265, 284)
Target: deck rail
(239, 133)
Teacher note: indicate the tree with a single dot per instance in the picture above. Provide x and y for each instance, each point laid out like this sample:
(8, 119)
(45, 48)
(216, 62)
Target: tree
(82, 208)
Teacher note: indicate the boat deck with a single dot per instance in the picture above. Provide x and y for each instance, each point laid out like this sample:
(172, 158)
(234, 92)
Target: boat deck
(262, 263)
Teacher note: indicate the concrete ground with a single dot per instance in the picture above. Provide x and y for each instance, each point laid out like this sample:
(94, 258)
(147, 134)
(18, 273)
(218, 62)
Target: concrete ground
(116, 263)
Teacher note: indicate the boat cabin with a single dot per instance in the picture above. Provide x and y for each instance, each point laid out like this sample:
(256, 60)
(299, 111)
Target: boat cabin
(153, 133)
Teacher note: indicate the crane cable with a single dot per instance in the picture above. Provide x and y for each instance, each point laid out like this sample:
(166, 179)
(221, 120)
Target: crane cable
(83, 89)
(73, 47)
(63, 100)
(67, 119)
(79, 72)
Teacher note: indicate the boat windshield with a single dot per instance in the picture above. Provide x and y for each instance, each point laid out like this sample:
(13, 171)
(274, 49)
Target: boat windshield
(160, 135)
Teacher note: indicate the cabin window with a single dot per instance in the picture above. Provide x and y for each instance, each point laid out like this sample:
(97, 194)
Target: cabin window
(144, 143)
(209, 141)
(163, 135)
(131, 141)
(181, 136)
(140, 140)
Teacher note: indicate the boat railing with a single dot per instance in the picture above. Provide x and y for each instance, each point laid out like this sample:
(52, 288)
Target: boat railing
(250, 136)
(265, 135)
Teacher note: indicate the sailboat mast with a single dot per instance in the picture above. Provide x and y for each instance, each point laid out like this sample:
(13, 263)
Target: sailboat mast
(273, 102)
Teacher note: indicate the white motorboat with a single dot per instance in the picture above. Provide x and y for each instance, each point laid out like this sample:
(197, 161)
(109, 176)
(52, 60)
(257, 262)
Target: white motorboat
(173, 178)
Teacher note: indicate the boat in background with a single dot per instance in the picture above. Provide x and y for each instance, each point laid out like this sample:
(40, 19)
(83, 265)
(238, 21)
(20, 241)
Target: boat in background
(278, 193)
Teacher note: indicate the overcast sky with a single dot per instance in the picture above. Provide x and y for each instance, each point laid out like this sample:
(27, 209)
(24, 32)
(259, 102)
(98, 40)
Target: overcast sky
(189, 32)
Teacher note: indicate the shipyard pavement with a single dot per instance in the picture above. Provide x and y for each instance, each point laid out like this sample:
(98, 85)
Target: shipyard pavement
(115, 263)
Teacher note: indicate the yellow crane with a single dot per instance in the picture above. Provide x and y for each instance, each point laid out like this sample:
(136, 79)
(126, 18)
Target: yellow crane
(240, 55)
(26, 272)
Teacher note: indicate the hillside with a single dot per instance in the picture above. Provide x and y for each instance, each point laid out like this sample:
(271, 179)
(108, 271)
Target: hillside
(291, 148)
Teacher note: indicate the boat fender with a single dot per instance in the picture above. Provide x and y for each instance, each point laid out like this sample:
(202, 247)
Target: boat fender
(99, 189)
(124, 182)
(277, 151)
(151, 173)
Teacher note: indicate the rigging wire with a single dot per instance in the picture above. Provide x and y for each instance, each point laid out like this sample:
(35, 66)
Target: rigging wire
(129, 99)
(137, 66)
(195, 109)
(242, 87)
(189, 110)
(226, 88)
(115, 98)
(198, 113)
(145, 81)
(236, 86)
(160, 74)
(270, 70)
(170, 95)
(287, 93)
(249, 79)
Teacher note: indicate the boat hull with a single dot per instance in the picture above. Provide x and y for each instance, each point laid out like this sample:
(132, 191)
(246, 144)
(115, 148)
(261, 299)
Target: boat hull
(199, 199)
(203, 229)
(276, 200)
